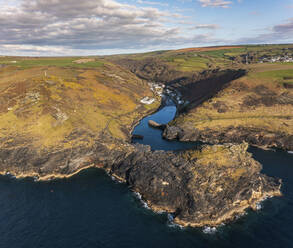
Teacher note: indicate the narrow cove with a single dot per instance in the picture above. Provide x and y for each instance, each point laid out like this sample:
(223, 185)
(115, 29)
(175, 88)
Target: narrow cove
(43, 214)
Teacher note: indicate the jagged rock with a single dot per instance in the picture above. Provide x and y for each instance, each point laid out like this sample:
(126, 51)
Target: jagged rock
(156, 125)
(172, 132)
(254, 136)
(137, 136)
(176, 133)
(200, 187)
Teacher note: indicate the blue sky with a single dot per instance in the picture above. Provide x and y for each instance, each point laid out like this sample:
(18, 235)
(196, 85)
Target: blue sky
(89, 27)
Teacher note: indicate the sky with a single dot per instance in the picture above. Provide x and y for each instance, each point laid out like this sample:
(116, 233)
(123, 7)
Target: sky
(100, 27)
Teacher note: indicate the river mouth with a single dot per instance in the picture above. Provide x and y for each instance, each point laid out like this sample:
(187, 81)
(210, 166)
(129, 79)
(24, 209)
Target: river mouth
(90, 210)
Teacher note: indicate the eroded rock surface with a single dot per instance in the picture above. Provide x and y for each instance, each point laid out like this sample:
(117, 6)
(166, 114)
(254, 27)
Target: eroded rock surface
(200, 187)
(254, 136)
(204, 187)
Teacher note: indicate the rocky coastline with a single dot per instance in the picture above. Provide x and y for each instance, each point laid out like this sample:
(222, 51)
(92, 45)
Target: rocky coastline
(198, 187)
(201, 187)
(254, 136)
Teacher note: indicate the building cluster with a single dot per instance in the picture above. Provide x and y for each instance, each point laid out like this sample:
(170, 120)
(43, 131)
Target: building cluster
(283, 59)
(157, 89)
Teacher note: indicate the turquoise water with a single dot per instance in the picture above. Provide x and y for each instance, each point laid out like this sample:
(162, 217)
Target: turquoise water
(91, 210)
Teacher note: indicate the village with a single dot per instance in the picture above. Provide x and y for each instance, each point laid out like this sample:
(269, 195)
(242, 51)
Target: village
(283, 59)
(158, 89)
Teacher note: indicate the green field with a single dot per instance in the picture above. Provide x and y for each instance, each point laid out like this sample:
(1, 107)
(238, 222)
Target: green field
(25, 63)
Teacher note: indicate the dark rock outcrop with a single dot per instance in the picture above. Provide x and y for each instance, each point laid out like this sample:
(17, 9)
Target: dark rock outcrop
(137, 136)
(156, 125)
(150, 69)
(202, 86)
(253, 136)
(176, 133)
(199, 188)
(205, 187)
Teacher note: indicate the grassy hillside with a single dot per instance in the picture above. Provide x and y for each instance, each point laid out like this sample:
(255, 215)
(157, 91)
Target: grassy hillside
(73, 62)
(198, 59)
(67, 102)
(262, 100)
(49, 100)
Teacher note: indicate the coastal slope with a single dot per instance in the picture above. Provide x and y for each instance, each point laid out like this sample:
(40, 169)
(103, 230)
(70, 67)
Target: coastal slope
(63, 115)
(256, 108)
(209, 186)
(53, 112)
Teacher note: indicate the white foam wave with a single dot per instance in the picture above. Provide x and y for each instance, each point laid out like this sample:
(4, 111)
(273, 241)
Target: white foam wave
(209, 230)
(8, 174)
(115, 179)
(138, 195)
(144, 204)
(290, 152)
(173, 225)
(170, 217)
(238, 216)
(258, 206)
(171, 222)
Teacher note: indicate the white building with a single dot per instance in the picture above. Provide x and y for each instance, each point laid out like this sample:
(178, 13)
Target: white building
(147, 100)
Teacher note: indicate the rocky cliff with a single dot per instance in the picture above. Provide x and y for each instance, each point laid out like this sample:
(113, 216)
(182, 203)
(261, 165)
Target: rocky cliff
(199, 187)
(256, 108)
(56, 121)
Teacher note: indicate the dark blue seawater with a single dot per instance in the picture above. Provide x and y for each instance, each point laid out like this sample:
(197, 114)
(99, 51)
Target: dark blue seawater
(91, 210)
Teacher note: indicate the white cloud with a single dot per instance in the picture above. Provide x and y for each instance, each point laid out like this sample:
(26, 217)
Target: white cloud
(75, 26)
(206, 26)
(152, 3)
(279, 33)
(215, 3)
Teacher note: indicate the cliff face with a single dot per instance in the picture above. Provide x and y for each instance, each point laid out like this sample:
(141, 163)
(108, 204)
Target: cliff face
(260, 137)
(202, 86)
(152, 69)
(206, 187)
(199, 187)
(256, 108)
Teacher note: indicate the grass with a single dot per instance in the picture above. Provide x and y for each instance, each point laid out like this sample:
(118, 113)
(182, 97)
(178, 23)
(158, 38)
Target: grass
(278, 74)
(221, 156)
(25, 63)
(69, 100)
(198, 59)
(275, 118)
(188, 62)
(100, 97)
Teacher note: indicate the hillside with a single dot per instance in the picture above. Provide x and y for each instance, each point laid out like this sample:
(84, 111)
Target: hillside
(169, 65)
(228, 94)
(257, 108)
(62, 115)
(56, 105)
